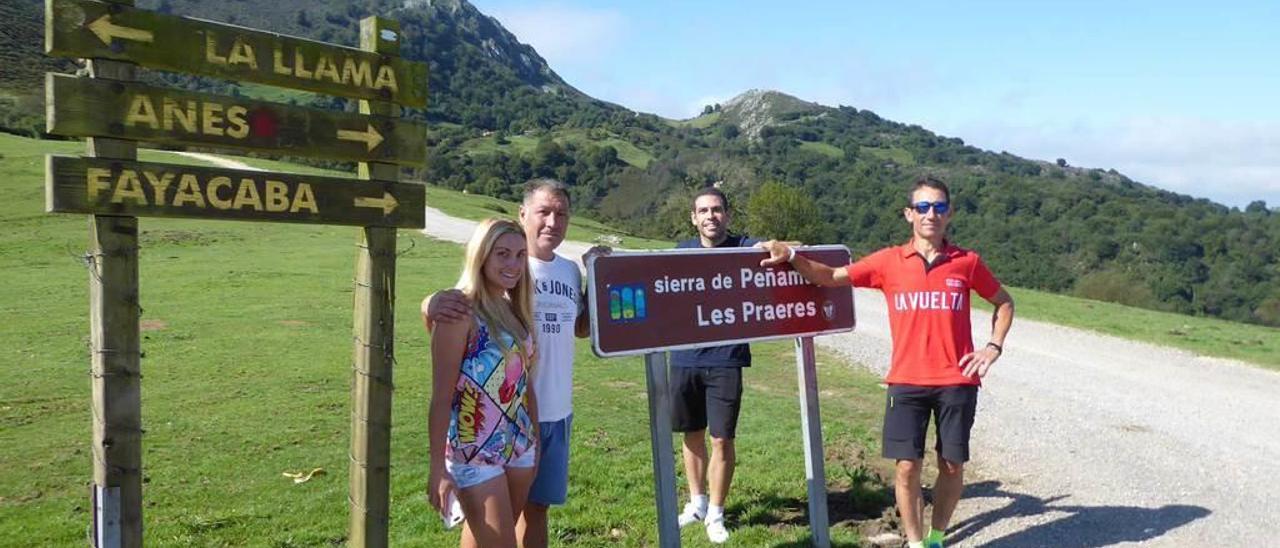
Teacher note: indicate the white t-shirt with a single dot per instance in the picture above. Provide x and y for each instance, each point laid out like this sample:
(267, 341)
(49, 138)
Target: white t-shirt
(557, 286)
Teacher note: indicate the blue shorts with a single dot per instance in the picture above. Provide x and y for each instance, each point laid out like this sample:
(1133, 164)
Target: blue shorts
(551, 485)
(470, 475)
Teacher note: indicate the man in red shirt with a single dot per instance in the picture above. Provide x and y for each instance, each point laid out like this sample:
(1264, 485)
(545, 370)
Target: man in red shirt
(935, 370)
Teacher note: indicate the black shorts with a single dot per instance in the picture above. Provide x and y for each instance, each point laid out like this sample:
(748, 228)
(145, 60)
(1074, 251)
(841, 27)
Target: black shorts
(706, 397)
(907, 409)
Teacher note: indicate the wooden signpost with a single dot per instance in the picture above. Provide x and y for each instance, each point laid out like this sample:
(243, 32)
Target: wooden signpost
(146, 189)
(82, 107)
(373, 336)
(651, 302)
(114, 111)
(114, 30)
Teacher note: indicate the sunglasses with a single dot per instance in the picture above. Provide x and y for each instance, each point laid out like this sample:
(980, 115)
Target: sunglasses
(941, 208)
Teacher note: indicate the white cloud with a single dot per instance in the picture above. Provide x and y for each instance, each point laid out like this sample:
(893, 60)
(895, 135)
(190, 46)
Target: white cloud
(564, 35)
(1229, 162)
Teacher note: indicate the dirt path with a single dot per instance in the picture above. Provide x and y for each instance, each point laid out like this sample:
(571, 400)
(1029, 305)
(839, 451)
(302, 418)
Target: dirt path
(1089, 440)
(220, 161)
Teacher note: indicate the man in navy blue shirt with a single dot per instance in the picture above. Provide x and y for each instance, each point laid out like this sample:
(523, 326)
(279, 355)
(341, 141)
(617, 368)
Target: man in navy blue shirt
(706, 388)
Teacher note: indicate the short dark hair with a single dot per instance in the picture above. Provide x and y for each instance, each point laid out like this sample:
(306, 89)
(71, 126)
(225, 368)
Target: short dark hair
(929, 182)
(709, 191)
(536, 184)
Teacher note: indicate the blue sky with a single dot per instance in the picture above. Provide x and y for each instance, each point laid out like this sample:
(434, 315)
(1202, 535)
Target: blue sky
(1184, 96)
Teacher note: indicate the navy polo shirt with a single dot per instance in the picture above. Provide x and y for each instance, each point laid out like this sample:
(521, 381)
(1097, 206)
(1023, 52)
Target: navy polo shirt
(733, 355)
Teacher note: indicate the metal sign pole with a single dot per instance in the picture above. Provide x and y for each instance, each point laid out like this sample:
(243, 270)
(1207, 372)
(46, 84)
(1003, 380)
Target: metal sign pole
(811, 426)
(664, 466)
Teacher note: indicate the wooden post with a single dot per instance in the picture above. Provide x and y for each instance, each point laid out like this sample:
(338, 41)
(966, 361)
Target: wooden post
(115, 353)
(664, 467)
(374, 332)
(811, 427)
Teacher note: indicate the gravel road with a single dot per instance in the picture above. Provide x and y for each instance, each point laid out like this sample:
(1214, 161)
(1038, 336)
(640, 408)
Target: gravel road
(1088, 440)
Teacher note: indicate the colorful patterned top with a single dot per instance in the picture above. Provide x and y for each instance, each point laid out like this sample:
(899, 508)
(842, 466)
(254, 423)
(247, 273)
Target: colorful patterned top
(489, 421)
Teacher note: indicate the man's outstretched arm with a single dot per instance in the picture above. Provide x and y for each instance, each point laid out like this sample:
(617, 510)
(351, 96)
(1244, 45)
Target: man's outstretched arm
(816, 272)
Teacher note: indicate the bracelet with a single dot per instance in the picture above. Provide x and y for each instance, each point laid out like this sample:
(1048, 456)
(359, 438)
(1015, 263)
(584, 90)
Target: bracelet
(999, 349)
(791, 253)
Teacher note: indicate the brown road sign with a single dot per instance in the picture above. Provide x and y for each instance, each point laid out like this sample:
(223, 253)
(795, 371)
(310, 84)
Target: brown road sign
(92, 29)
(86, 107)
(669, 300)
(145, 189)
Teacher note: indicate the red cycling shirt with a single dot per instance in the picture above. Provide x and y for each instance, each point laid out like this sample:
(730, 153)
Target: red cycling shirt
(928, 309)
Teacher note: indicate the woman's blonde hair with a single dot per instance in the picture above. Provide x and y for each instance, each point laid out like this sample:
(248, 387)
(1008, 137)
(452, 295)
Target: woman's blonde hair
(513, 314)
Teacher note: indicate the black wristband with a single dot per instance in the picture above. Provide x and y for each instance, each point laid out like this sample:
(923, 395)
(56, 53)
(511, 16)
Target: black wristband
(998, 348)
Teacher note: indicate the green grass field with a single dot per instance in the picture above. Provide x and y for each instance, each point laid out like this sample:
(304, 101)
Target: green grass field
(246, 375)
(701, 122)
(822, 148)
(1255, 344)
(276, 94)
(896, 155)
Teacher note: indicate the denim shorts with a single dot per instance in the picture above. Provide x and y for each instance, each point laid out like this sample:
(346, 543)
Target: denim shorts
(470, 475)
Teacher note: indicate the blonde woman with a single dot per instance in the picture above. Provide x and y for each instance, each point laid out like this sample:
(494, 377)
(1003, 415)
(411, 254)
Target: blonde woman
(483, 411)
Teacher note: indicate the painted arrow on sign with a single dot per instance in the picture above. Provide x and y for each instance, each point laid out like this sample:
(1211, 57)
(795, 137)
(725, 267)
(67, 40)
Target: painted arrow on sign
(88, 107)
(387, 202)
(370, 137)
(105, 30)
(103, 186)
(90, 28)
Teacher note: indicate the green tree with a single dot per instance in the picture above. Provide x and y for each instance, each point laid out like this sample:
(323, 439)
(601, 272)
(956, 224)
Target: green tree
(548, 153)
(785, 213)
(1268, 313)
(1114, 286)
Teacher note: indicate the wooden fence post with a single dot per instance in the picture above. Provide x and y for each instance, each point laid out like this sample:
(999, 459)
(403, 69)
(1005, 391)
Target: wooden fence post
(115, 353)
(374, 333)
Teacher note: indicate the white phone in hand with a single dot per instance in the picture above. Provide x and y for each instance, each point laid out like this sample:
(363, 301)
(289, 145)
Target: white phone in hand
(452, 514)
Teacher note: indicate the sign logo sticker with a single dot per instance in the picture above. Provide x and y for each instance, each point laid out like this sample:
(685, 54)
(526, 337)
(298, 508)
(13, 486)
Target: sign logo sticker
(627, 303)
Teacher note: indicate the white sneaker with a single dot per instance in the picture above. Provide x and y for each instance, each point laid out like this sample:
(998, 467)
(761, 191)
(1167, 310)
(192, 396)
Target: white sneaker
(691, 514)
(716, 531)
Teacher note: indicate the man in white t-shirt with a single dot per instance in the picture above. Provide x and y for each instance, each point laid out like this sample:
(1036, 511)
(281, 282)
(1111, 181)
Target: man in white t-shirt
(559, 310)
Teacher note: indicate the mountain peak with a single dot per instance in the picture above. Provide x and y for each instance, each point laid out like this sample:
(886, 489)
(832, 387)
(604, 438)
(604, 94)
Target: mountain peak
(755, 109)
(469, 25)
(452, 6)
(757, 94)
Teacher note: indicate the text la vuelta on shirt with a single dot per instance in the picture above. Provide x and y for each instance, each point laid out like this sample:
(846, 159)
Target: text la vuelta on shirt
(929, 300)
